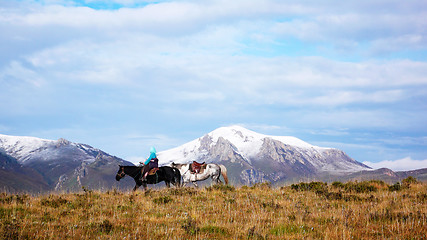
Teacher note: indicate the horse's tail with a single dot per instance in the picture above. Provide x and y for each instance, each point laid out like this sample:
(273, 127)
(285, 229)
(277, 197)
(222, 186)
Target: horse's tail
(177, 177)
(224, 173)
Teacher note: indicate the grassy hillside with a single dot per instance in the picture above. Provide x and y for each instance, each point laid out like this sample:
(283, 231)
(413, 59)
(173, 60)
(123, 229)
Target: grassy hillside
(355, 210)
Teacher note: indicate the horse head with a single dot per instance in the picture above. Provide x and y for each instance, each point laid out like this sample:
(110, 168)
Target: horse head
(176, 165)
(121, 173)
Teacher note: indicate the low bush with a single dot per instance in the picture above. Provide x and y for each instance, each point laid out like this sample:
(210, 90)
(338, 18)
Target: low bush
(105, 226)
(359, 187)
(214, 230)
(261, 185)
(319, 187)
(338, 185)
(190, 226)
(407, 182)
(395, 187)
(221, 187)
(53, 202)
(162, 200)
(289, 229)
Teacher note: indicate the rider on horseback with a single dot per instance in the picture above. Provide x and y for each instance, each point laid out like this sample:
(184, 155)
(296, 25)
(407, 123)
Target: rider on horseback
(151, 162)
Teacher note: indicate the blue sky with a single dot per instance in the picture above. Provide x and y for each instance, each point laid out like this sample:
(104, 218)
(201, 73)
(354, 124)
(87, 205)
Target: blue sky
(124, 75)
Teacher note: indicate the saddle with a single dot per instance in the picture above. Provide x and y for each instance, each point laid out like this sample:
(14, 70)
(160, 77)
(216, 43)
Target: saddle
(153, 171)
(196, 167)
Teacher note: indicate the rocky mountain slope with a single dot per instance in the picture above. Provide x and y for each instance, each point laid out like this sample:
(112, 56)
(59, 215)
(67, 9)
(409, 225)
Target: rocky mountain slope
(38, 165)
(252, 157)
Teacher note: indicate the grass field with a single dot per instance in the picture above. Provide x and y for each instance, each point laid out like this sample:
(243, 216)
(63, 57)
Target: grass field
(355, 210)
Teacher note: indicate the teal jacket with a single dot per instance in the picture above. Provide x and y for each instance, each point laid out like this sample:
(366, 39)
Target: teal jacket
(152, 155)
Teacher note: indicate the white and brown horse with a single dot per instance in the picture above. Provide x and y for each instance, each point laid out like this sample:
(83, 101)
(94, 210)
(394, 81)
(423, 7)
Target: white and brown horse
(211, 170)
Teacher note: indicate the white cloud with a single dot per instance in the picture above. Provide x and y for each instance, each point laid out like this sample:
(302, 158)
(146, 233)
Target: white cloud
(354, 27)
(310, 22)
(16, 73)
(408, 41)
(261, 128)
(330, 132)
(403, 164)
(4, 128)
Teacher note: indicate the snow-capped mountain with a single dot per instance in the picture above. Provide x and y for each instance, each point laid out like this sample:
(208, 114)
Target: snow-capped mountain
(253, 157)
(58, 164)
(29, 149)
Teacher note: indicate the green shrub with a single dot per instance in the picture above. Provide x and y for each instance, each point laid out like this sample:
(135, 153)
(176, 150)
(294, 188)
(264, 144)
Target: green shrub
(183, 191)
(360, 187)
(190, 226)
(333, 195)
(162, 200)
(422, 197)
(6, 198)
(262, 185)
(53, 202)
(395, 187)
(271, 204)
(10, 230)
(338, 185)
(318, 187)
(105, 227)
(407, 182)
(214, 229)
(377, 182)
(221, 187)
(284, 230)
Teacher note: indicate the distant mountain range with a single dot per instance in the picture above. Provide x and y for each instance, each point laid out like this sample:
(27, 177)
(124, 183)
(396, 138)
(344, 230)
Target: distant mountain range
(38, 165)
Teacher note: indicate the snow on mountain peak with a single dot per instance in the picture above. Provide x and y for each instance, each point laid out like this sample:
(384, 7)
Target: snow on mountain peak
(242, 138)
(19, 146)
(24, 148)
(247, 143)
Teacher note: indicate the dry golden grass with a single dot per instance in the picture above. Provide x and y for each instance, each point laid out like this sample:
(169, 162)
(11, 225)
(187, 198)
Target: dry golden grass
(219, 212)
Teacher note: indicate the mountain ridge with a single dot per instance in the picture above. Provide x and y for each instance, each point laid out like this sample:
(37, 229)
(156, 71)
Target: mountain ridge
(57, 165)
(256, 157)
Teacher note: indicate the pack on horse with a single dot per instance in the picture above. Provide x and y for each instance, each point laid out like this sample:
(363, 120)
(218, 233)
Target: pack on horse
(167, 174)
(195, 171)
(151, 164)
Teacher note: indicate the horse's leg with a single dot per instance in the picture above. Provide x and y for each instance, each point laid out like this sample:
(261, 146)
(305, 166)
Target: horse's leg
(136, 187)
(185, 180)
(215, 178)
(168, 184)
(176, 182)
(218, 180)
(144, 185)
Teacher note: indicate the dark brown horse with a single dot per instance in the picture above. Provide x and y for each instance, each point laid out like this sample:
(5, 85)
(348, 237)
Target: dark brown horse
(167, 174)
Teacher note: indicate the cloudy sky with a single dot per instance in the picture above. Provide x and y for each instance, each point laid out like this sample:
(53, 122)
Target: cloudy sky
(124, 75)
